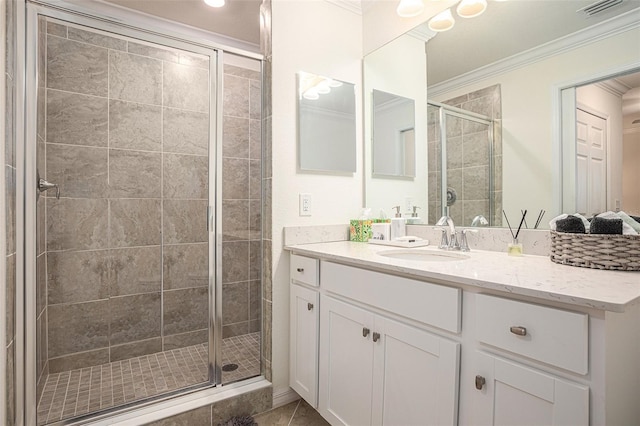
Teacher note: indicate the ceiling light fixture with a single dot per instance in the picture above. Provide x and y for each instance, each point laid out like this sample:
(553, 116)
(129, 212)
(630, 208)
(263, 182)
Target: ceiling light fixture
(214, 3)
(410, 8)
(443, 21)
(471, 8)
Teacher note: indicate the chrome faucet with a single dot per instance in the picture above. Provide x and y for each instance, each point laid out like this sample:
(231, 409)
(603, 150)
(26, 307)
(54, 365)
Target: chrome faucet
(452, 242)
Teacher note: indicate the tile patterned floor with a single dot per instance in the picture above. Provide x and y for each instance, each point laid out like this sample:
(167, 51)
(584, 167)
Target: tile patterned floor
(77, 392)
(297, 413)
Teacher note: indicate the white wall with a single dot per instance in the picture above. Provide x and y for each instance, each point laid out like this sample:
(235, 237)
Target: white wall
(631, 172)
(325, 39)
(609, 106)
(527, 125)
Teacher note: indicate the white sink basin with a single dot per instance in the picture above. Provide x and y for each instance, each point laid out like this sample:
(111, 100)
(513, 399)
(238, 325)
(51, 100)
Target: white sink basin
(423, 255)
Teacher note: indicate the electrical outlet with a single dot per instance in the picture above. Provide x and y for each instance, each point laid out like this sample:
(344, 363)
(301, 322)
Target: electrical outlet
(408, 204)
(304, 204)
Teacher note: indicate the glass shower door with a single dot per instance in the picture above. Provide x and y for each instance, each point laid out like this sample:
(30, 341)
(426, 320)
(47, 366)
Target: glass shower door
(123, 287)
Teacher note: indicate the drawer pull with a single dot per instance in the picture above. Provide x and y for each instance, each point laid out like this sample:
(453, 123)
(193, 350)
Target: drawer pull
(309, 306)
(301, 270)
(518, 330)
(365, 331)
(376, 336)
(480, 382)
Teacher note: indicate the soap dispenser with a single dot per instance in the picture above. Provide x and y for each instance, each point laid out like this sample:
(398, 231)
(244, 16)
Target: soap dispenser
(398, 228)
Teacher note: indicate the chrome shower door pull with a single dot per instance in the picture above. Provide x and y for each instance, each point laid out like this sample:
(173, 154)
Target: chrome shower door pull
(43, 185)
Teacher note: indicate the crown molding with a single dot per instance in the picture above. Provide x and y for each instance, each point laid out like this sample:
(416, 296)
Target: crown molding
(422, 32)
(354, 6)
(611, 27)
(614, 87)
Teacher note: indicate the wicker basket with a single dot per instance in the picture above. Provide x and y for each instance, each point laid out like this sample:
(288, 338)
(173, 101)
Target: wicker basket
(602, 251)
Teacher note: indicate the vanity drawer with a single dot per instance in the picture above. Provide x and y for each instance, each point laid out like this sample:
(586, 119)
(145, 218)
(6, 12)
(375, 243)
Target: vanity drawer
(304, 270)
(431, 304)
(550, 335)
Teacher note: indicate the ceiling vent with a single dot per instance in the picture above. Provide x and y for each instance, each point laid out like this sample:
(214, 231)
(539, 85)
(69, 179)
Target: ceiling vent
(598, 7)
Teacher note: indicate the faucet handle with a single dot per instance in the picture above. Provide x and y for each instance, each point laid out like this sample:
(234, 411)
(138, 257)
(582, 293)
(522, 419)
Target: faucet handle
(444, 241)
(464, 245)
(453, 241)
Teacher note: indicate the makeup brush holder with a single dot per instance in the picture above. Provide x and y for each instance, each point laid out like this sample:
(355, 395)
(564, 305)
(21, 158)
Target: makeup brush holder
(514, 248)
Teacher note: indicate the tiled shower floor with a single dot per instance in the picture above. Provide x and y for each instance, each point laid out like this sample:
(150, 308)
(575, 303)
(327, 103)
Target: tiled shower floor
(77, 392)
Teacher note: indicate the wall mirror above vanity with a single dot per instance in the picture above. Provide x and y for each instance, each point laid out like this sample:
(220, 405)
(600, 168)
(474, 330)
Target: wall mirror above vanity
(326, 124)
(528, 67)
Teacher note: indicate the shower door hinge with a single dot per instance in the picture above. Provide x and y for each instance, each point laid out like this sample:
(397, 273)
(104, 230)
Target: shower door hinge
(210, 226)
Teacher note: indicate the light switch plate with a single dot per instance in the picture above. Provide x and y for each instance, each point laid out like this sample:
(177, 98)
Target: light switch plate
(304, 204)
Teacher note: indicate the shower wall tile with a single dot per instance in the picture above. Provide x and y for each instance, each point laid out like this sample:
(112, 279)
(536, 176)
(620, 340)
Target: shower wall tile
(135, 349)
(235, 178)
(236, 96)
(236, 329)
(185, 310)
(77, 119)
(235, 137)
(454, 152)
(79, 360)
(235, 300)
(235, 261)
(475, 183)
(41, 113)
(241, 72)
(56, 29)
(135, 270)
(185, 221)
(185, 176)
(74, 276)
(255, 179)
(134, 223)
(80, 171)
(193, 60)
(135, 126)
(255, 263)
(255, 300)
(267, 151)
(41, 283)
(10, 298)
(9, 129)
(76, 224)
(78, 327)
(135, 78)
(10, 208)
(175, 341)
(255, 140)
(185, 87)
(255, 99)
(235, 220)
(267, 203)
(255, 219)
(472, 208)
(96, 39)
(200, 416)
(10, 390)
(76, 67)
(185, 132)
(186, 266)
(134, 318)
(134, 174)
(153, 52)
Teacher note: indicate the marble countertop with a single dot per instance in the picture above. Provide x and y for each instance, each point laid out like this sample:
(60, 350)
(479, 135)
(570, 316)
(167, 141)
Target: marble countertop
(534, 276)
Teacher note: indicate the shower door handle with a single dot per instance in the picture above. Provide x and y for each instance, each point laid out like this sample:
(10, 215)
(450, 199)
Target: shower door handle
(43, 185)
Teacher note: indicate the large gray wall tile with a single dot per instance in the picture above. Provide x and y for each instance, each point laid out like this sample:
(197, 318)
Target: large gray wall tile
(255, 260)
(78, 327)
(134, 174)
(185, 87)
(74, 277)
(235, 302)
(56, 29)
(135, 126)
(185, 310)
(244, 405)
(185, 221)
(76, 119)
(193, 60)
(136, 270)
(135, 349)
(134, 223)
(235, 178)
(91, 37)
(235, 137)
(235, 220)
(200, 417)
(76, 224)
(80, 171)
(235, 261)
(255, 300)
(78, 360)
(135, 318)
(185, 132)
(175, 341)
(186, 265)
(76, 67)
(41, 283)
(185, 176)
(255, 101)
(255, 139)
(153, 52)
(255, 179)
(236, 96)
(135, 78)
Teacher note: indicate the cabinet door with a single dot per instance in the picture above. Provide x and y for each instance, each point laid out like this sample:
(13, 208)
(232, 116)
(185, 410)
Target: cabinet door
(516, 395)
(346, 363)
(415, 376)
(303, 347)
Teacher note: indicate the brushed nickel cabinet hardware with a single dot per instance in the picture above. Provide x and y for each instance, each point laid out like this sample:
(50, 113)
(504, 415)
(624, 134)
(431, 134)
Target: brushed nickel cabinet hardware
(365, 331)
(518, 330)
(309, 306)
(376, 336)
(480, 382)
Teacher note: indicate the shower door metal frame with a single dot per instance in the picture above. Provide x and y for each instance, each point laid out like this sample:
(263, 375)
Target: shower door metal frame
(443, 111)
(26, 100)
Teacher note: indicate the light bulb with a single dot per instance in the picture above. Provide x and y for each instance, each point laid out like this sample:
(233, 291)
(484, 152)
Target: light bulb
(443, 21)
(409, 8)
(471, 8)
(311, 94)
(323, 87)
(214, 3)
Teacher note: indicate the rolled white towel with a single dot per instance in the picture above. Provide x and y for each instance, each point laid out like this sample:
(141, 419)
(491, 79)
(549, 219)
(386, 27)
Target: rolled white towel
(628, 219)
(627, 229)
(552, 222)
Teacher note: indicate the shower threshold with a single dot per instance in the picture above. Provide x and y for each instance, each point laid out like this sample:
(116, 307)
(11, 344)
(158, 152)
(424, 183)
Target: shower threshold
(77, 392)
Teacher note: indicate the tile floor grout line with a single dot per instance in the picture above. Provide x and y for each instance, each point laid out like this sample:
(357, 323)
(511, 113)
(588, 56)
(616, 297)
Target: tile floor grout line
(294, 412)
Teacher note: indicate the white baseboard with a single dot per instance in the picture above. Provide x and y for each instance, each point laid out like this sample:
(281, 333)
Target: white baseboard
(283, 396)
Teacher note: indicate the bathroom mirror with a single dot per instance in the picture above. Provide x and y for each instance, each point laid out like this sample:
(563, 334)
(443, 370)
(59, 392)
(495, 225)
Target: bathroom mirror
(530, 79)
(326, 124)
(394, 146)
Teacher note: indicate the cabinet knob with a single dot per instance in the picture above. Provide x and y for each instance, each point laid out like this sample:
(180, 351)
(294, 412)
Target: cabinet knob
(300, 270)
(376, 336)
(309, 306)
(480, 382)
(518, 330)
(365, 331)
